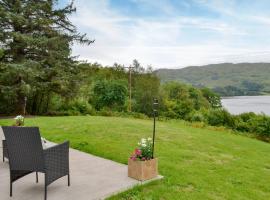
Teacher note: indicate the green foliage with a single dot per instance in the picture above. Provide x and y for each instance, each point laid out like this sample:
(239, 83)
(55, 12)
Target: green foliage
(196, 116)
(252, 86)
(111, 94)
(180, 100)
(257, 125)
(35, 57)
(213, 98)
(146, 88)
(220, 117)
(1, 53)
(229, 91)
(252, 123)
(77, 106)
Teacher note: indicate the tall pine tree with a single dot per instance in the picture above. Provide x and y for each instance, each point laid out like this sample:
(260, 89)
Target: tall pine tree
(35, 53)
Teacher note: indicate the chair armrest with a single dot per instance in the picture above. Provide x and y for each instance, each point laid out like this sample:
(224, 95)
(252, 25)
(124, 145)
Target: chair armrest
(56, 161)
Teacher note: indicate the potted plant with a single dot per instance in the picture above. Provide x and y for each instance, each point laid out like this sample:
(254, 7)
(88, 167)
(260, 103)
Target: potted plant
(141, 165)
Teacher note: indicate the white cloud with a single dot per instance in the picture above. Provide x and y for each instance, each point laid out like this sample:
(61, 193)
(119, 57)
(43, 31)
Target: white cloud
(159, 42)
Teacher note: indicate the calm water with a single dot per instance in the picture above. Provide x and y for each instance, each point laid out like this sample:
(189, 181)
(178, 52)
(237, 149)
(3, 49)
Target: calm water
(240, 104)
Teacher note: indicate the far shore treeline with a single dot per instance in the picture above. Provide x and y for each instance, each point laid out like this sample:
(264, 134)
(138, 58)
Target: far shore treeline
(36, 64)
(226, 79)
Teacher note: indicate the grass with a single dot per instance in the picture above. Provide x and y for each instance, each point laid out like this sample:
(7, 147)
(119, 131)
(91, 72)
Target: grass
(198, 164)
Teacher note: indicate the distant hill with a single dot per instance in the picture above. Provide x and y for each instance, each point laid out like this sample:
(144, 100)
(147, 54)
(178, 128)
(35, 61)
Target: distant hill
(227, 79)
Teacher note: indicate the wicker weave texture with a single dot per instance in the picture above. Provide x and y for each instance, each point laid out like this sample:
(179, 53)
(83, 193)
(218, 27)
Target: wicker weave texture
(24, 149)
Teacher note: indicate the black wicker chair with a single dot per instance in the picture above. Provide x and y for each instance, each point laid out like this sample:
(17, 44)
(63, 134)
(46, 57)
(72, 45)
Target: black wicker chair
(4, 146)
(26, 155)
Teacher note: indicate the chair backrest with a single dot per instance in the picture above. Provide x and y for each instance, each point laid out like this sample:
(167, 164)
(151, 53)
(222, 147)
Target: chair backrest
(24, 148)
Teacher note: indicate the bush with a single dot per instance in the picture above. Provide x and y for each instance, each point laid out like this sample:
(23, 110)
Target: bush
(241, 125)
(77, 107)
(260, 125)
(220, 117)
(170, 114)
(196, 117)
(105, 112)
(245, 117)
(83, 107)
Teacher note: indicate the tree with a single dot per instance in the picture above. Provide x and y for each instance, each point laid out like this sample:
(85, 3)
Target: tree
(181, 100)
(137, 67)
(111, 94)
(36, 39)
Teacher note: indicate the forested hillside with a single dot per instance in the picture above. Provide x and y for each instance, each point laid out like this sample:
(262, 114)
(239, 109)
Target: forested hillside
(227, 79)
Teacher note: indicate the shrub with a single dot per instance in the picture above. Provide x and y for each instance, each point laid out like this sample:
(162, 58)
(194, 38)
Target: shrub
(196, 117)
(260, 125)
(138, 115)
(83, 107)
(241, 125)
(220, 117)
(76, 108)
(247, 116)
(105, 112)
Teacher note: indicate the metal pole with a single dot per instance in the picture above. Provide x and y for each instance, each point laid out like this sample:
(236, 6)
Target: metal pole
(130, 89)
(154, 135)
(155, 109)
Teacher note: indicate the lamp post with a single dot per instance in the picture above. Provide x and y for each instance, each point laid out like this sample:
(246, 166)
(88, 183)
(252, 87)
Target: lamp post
(155, 113)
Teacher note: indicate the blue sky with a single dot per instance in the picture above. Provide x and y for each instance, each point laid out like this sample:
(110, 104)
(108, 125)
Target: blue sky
(173, 33)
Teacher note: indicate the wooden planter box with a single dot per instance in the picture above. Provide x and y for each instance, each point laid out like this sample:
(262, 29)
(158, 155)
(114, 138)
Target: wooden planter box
(143, 170)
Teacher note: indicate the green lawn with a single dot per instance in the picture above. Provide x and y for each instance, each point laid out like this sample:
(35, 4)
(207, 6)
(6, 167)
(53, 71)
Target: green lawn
(197, 163)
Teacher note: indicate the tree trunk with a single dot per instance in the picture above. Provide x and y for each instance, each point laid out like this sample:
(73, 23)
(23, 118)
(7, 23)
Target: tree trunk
(20, 105)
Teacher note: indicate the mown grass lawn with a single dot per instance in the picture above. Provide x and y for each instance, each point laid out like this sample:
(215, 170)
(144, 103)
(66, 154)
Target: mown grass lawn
(197, 163)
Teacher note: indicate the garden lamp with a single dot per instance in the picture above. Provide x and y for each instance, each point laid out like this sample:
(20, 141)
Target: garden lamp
(155, 113)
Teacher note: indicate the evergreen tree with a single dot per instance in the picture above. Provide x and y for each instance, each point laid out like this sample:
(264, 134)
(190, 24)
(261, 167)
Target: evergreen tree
(35, 58)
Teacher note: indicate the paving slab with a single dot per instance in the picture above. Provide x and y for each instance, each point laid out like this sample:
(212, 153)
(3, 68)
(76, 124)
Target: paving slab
(92, 178)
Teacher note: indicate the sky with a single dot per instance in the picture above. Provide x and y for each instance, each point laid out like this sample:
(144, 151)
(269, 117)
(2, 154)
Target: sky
(173, 33)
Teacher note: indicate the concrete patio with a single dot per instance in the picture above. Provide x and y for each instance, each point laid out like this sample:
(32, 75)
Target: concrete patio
(91, 178)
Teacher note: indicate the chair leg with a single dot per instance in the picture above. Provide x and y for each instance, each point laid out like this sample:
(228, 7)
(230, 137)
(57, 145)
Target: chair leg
(45, 193)
(10, 189)
(36, 177)
(68, 179)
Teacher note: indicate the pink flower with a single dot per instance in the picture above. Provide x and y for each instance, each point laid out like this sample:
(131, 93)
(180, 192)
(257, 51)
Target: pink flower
(138, 152)
(133, 157)
(143, 158)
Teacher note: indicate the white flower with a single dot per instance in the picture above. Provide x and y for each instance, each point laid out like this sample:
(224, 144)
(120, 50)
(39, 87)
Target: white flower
(143, 145)
(149, 139)
(143, 140)
(19, 117)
